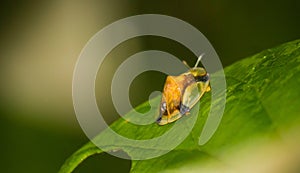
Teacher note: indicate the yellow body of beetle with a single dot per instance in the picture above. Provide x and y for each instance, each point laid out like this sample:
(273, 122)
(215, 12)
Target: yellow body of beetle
(181, 93)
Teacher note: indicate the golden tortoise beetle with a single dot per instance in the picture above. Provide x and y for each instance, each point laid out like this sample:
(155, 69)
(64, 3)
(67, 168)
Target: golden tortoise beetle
(181, 93)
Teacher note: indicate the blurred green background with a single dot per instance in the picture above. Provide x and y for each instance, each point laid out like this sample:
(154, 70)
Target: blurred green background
(40, 43)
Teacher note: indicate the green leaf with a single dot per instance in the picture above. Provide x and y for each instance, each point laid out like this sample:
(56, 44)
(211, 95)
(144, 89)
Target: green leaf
(262, 106)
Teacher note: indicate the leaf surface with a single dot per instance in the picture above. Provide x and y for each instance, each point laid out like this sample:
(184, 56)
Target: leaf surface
(262, 103)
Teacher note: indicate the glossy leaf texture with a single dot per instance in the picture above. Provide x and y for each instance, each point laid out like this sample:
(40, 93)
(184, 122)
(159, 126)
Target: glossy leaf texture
(258, 129)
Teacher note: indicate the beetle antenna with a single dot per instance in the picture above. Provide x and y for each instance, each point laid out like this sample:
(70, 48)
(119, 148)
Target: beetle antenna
(199, 59)
(185, 63)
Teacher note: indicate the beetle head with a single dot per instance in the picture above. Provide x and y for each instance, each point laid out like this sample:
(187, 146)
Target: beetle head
(199, 74)
(198, 71)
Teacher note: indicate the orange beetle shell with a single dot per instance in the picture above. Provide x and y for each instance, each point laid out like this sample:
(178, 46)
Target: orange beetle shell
(173, 91)
(181, 93)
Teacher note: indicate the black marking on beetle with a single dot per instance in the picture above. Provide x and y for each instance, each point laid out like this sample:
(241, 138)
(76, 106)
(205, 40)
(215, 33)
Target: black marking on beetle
(158, 119)
(184, 109)
(202, 78)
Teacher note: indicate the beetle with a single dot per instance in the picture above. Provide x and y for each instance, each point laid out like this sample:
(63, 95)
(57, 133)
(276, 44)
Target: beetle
(181, 93)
